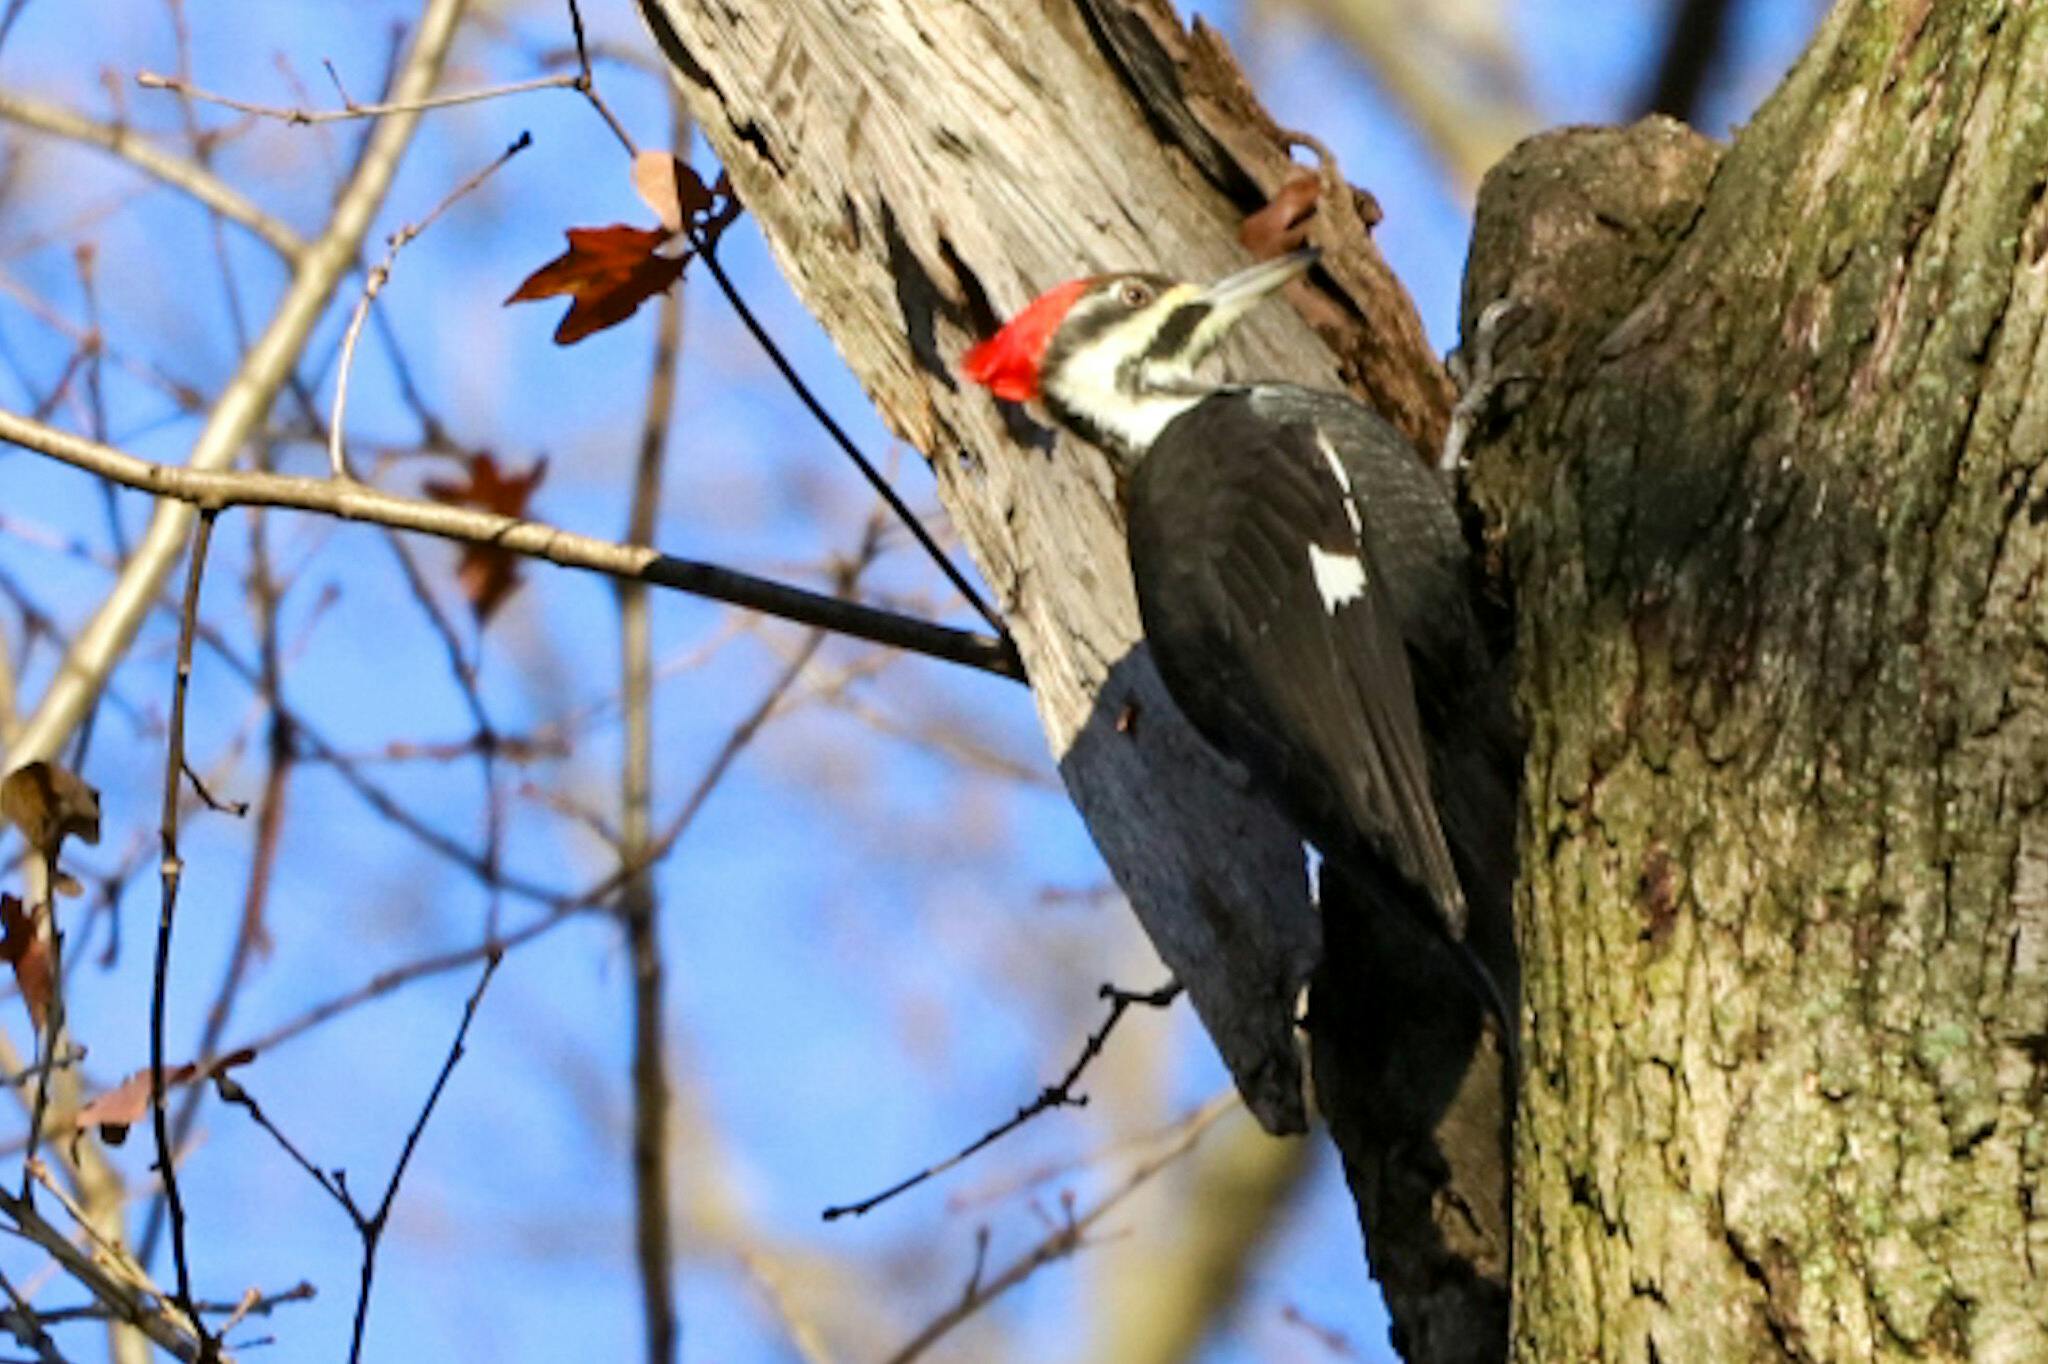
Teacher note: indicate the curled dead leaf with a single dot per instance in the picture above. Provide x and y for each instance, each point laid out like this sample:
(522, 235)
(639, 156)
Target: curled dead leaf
(49, 804)
(28, 952)
(119, 1108)
(667, 184)
(1282, 225)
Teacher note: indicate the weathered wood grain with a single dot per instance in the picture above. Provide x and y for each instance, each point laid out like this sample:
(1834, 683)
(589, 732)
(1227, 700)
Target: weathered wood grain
(922, 170)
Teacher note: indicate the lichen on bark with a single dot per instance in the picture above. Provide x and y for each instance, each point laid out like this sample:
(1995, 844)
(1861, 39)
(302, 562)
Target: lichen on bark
(1775, 518)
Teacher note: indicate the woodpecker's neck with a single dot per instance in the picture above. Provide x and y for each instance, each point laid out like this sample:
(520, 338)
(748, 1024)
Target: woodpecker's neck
(1121, 408)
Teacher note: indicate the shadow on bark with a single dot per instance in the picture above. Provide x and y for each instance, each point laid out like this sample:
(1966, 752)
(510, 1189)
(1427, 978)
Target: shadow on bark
(1407, 1074)
(1238, 932)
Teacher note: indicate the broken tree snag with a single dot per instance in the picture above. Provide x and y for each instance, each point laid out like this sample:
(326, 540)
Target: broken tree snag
(1777, 518)
(1193, 91)
(910, 211)
(923, 168)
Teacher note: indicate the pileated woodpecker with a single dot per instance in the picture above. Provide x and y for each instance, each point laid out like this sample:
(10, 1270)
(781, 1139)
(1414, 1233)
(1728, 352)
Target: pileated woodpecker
(1304, 584)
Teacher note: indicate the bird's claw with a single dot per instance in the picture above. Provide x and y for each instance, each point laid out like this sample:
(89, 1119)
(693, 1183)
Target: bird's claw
(1479, 382)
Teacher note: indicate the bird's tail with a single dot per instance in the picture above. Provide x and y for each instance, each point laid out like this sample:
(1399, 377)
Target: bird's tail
(1380, 913)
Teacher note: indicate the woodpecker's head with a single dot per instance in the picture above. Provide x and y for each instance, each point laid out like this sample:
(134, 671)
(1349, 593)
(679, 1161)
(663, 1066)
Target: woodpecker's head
(1113, 357)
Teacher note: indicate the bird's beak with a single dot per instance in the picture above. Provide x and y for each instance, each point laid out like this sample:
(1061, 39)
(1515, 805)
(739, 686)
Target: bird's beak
(1231, 297)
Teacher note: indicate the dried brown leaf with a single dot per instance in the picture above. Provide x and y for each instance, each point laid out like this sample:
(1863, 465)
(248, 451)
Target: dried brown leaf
(49, 804)
(1282, 225)
(28, 952)
(668, 185)
(121, 1107)
(488, 573)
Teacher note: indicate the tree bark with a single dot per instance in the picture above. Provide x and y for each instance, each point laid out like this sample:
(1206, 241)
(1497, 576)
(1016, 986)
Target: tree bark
(1777, 514)
(923, 169)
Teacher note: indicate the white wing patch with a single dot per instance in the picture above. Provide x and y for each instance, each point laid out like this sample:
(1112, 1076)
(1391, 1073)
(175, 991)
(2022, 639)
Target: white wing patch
(1340, 578)
(1343, 477)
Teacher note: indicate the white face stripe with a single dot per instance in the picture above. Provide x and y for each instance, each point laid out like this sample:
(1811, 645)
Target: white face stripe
(1090, 385)
(1340, 578)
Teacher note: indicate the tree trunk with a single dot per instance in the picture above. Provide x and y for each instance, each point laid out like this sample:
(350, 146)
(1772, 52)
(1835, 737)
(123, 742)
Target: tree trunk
(922, 169)
(1775, 509)
(1777, 513)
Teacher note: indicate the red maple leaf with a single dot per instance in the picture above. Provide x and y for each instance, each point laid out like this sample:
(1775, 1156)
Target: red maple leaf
(607, 272)
(488, 573)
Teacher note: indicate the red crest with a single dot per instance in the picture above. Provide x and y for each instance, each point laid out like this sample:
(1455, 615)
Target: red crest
(1008, 361)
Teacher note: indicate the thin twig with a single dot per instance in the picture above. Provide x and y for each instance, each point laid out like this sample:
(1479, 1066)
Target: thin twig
(1060, 1095)
(1067, 1237)
(385, 982)
(488, 741)
(26, 1325)
(372, 1228)
(237, 808)
(189, 177)
(336, 453)
(233, 1093)
(150, 80)
(108, 1272)
(356, 502)
(586, 85)
(13, 12)
(173, 871)
(254, 1303)
(186, 396)
(95, 387)
(201, 144)
(707, 249)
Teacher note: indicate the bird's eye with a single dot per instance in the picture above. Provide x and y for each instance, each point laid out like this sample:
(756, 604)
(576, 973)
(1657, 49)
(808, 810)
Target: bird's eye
(1135, 295)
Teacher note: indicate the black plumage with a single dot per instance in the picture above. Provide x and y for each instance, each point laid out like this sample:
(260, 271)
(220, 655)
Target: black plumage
(1353, 712)
(1307, 593)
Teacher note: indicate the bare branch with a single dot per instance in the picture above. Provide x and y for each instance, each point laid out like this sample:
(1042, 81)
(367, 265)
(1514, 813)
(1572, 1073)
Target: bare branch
(639, 908)
(150, 80)
(337, 453)
(107, 1271)
(706, 250)
(586, 84)
(370, 1226)
(1067, 1238)
(373, 1228)
(242, 406)
(356, 502)
(1060, 1095)
(173, 873)
(152, 160)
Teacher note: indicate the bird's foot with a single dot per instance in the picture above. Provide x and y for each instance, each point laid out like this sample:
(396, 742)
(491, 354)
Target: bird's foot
(1479, 379)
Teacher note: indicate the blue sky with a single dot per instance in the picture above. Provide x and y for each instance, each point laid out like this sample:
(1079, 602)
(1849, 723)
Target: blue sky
(867, 966)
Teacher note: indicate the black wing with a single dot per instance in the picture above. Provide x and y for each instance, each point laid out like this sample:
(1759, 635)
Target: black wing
(1275, 614)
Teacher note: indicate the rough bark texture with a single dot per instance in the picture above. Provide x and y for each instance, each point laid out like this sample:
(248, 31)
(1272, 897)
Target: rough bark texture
(1777, 513)
(922, 168)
